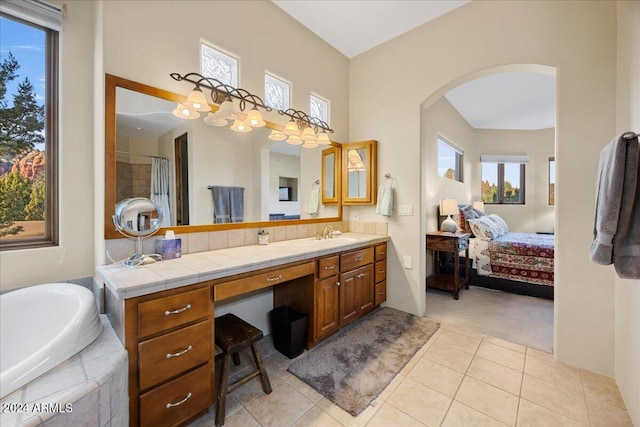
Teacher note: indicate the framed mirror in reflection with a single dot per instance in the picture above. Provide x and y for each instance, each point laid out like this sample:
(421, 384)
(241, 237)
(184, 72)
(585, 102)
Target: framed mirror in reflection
(204, 177)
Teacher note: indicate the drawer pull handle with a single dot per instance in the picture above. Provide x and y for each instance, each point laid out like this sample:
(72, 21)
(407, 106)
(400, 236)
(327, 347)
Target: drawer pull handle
(180, 353)
(359, 258)
(330, 267)
(178, 311)
(380, 271)
(274, 279)
(381, 252)
(171, 405)
(338, 284)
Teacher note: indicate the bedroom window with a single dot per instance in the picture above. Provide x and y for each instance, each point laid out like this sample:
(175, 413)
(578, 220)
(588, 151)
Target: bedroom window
(552, 180)
(219, 65)
(450, 160)
(503, 179)
(277, 92)
(29, 131)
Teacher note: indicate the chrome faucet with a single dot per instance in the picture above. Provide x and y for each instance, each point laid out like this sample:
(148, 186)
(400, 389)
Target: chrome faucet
(326, 233)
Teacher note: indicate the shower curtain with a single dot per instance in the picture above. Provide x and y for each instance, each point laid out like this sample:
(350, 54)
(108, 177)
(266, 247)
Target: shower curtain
(160, 187)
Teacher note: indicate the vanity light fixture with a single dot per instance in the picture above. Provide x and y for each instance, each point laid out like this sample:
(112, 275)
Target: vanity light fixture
(277, 135)
(197, 101)
(185, 112)
(315, 130)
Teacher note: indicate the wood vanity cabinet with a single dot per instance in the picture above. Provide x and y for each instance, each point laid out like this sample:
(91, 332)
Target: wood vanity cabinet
(327, 298)
(169, 337)
(356, 284)
(380, 287)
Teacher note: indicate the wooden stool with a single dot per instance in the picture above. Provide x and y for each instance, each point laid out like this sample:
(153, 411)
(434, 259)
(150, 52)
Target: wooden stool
(232, 335)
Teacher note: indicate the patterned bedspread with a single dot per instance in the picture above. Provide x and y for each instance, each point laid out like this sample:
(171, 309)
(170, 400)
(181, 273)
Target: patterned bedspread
(516, 256)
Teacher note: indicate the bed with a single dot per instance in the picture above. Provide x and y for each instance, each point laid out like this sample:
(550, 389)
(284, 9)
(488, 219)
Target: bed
(521, 263)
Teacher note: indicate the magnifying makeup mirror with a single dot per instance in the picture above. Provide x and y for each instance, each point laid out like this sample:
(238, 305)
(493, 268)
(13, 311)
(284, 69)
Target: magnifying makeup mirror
(138, 217)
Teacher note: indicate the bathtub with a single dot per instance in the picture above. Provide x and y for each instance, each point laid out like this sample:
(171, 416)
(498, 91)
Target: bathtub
(41, 327)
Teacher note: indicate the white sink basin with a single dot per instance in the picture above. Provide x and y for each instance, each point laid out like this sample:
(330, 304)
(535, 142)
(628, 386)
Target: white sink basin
(336, 239)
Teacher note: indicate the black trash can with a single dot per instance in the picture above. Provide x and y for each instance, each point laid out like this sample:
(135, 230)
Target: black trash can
(288, 330)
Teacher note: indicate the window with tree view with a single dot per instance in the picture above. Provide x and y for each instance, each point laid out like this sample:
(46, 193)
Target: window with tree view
(28, 85)
(502, 183)
(450, 160)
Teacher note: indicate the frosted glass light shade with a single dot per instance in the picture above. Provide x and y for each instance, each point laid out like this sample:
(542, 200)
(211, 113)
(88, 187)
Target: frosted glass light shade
(277, 135)
(228, 111)
(310, 144)
(185, 112)
(323, 139)
(215, 120)
(254, 119)
(197, 101)
(241, 126)
(291, 128)
(294, 140)
(308, 135)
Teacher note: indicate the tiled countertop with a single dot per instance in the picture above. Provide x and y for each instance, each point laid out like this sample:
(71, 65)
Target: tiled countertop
(126, 282)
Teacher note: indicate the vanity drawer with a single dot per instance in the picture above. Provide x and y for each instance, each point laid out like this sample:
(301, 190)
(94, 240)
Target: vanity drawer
(381, 252)
(356, 259)
(381, 271)
(166, 356)
(380, 293)
(260, 281)
(178, 400)
(165, 313)
(328, 267)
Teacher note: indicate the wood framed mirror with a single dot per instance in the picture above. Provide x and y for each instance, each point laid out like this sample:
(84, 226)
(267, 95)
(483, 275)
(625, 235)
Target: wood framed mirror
(359, 173)
(331, 175)
(200, 156)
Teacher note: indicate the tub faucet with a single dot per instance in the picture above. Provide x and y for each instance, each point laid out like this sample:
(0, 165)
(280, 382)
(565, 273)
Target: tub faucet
(326, 233)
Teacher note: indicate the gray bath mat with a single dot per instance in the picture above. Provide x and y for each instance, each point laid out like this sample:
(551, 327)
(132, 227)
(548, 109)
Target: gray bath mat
(353, 367)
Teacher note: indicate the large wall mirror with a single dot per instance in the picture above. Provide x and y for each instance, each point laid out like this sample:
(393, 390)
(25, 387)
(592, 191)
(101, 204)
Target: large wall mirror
(147, 147)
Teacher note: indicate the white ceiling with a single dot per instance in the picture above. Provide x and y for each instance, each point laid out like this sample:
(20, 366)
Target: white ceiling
(500, 101)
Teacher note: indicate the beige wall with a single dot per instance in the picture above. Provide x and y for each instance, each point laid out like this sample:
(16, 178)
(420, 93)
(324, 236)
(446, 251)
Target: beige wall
(390, 82)
(73, 258)
(627, 292)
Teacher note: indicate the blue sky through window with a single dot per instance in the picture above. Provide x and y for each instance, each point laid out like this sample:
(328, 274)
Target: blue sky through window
(27, 45)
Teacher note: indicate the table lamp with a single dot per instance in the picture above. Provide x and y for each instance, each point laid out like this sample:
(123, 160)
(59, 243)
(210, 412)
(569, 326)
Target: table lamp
(449, 207)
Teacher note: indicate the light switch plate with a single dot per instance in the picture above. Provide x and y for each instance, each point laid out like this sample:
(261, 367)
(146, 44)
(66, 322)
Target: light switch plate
(407, 261)
(405, 210)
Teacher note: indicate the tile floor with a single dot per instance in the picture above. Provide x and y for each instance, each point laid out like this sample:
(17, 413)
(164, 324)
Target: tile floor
(460, 378)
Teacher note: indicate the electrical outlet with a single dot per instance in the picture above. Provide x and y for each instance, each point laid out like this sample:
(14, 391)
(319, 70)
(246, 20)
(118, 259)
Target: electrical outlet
(405, 210)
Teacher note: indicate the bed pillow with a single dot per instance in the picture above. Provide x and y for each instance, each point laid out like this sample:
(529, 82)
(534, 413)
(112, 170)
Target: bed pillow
(502, 226)
(466, 212)
(484, 228)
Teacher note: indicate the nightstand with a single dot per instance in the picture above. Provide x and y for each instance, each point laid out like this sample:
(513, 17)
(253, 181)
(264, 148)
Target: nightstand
(448, 244)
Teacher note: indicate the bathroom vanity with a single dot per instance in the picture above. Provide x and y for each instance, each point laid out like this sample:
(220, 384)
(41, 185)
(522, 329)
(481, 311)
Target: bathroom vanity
(164, 313)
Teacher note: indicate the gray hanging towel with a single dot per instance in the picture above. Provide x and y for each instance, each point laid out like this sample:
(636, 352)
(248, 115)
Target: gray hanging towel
(617, 220)
(236, 198)
(221, 204)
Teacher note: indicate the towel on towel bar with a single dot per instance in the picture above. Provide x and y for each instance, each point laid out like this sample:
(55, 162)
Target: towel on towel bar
(236, 200)
(385, 201)
(617, 219)
(221, 204)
